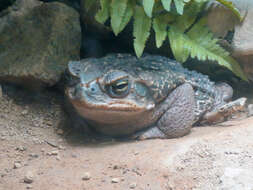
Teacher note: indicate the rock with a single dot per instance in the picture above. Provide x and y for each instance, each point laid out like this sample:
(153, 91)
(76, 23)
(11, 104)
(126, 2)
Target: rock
(34, 155)
(29, 186)
(132, 185)
(1, 92)
(86, 176)
(221, 20)
(250, 110)
(17, 165)
(28, 177)
(59, 131)
(243, 43)
(24, 112)
(115, 180)
(21, 148)
(46, 37)
(53, 153)
(58, 158)
(115, 167)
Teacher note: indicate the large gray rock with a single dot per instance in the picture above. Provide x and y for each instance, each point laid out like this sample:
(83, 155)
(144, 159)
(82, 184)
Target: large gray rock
(221, 21)
(37, 41)
(243, 41)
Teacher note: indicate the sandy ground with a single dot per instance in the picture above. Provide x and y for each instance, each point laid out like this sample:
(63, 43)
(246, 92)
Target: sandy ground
(39, 151)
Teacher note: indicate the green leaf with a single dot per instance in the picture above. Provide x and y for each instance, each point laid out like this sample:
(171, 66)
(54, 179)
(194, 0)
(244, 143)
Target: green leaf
(179, 6)
(183, 22)
(141, 30)
(118, 8)
(176, 38)
(231, 6)
(160, 27)
(103, 14)
(148, 6)
(166, 4)
(127, 15)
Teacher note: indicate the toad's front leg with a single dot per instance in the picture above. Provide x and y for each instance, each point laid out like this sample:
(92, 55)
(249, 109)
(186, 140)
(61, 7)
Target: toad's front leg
(177, 120)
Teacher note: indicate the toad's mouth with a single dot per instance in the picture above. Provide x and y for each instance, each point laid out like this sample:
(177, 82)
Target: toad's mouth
(113, 105)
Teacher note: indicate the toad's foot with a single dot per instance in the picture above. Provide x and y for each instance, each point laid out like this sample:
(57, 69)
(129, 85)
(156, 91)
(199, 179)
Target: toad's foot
(152, 133)
(222, 113)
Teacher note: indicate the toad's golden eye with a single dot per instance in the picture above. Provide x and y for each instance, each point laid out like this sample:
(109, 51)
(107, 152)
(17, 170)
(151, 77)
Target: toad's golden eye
(119, 88)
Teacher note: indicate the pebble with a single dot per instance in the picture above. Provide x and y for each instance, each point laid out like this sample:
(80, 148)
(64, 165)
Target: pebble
(17, 165)
(250, 110)
(28, 177)
(53, 153)
(132, 185)
(115, 180)
(62, 147)
(115, 167)
(136, 153)
(34, 155)
(52, 143)
(60, 132)
(21, 148)
(1, 92)
(24, 112)
(86, 176)
(29, 186)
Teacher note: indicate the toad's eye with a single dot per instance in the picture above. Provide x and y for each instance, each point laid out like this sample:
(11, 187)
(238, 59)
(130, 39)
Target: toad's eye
(119, 88)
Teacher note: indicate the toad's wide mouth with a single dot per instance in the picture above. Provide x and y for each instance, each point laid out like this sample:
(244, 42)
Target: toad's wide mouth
(114, 105)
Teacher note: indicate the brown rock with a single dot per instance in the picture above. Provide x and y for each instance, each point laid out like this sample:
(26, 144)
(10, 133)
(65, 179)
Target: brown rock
(37, 41)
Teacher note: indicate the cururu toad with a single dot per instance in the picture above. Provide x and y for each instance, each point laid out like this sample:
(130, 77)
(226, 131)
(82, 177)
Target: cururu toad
(150, 97)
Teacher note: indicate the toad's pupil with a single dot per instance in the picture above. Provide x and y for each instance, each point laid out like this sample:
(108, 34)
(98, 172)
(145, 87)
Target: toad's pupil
(120, 86)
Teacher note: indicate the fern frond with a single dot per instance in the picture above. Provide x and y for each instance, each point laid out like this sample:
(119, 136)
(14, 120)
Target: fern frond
(179, 5)
(183, 22)
(199, 43)
(160, 24)
(148, 6)
(142, 25)
(166, 4)
(103, 14)
(118, 8)
(127, 15)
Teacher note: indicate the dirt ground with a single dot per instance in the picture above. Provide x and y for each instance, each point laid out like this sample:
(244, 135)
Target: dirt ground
(40, 151)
